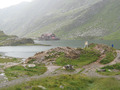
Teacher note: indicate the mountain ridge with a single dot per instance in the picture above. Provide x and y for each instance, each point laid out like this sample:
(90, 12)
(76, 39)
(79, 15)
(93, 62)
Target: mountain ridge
(69, 19)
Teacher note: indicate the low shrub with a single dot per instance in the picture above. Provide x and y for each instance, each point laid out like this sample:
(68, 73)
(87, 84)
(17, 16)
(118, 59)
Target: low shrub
(110, 56)
(20, 71)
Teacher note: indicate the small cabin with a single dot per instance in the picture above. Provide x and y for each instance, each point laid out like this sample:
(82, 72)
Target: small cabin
(49, 36)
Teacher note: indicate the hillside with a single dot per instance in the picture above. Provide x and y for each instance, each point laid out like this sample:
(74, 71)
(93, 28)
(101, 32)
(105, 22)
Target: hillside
(12, 40)
(66, 68)
(3, 36)
(69, 19)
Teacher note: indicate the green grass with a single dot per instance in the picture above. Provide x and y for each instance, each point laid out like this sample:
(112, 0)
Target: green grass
(108, 51)
(5, 60)
(108, 73)
(110, 56)
(20, 71)
(112, 69)
(87, 56)
(105, 84)
(31, 61)
(115, 66)
(69, 82)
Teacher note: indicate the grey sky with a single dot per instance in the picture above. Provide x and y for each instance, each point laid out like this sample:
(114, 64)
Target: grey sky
(7, 3)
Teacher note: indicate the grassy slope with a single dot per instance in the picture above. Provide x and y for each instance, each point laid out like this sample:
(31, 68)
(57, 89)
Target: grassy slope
(111, 70)
(3, 36)
(87, 56)
(110, 56)
(20, 71)
(5, 60)
(105, 19)
(69, 82)
(76, 20)
(58, 24)
(60, 21)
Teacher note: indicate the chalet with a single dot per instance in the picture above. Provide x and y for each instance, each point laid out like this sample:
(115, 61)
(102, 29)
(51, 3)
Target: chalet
(49, 36)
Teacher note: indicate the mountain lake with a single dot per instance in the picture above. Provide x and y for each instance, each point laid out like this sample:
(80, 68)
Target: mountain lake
(28, 51)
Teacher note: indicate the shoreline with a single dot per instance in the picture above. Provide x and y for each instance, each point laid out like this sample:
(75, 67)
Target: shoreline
(26, 45)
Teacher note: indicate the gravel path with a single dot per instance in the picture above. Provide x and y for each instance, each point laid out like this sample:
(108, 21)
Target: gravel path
(90, 70)
(117, 59)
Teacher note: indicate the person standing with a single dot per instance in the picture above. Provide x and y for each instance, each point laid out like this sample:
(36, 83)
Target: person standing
(86, 44)
(112, 45)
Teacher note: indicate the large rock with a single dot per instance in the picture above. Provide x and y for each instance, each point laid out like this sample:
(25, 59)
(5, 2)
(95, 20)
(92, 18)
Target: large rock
(101, 70)
(31, 65)
(68, 67)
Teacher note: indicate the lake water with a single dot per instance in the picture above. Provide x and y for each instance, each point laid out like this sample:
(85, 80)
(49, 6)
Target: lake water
(27, 51)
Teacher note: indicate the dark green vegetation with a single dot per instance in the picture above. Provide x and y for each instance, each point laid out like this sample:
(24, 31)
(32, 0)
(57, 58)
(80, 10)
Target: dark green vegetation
(5, 60)
(109, 52)
(111, 70)
(110, 73)
(115, 66)
(31, 61)
(87, 56)
(110, 56)
(69, 82)
(20, 71)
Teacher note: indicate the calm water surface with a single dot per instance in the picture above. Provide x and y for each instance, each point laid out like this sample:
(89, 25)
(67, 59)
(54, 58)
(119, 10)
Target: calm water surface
(27, 51)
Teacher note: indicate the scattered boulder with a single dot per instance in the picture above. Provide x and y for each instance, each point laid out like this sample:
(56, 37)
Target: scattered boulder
(61, 87)
(68, 67)
(115, 70)
(31, 65)
(101, 70)
(118, 57)
(109, 70)
(41, 87)
(42, 58)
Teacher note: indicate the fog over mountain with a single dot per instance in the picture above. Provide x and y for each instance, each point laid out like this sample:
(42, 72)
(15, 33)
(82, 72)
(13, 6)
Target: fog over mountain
(69, 19)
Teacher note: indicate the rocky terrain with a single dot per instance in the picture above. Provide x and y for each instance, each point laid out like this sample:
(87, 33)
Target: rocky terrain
(50, 56)
(44, 56)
